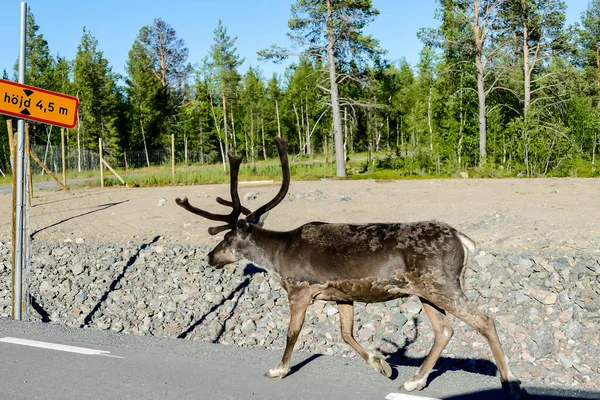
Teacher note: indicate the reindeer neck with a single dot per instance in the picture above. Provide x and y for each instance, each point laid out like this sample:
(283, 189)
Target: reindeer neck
(266, 247)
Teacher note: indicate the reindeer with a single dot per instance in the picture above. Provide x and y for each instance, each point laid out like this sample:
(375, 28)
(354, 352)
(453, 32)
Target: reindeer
(356, 262)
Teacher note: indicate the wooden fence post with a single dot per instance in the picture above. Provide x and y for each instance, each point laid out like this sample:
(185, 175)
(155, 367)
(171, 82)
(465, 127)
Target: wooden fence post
(172, 155)
(11, 144)
(28, 161)
(104, 163)
(101, 164)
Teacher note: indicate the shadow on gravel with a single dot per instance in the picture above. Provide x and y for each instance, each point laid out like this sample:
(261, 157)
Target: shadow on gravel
(399, 357)
(76, 197)
(101, 207)
(113, 285)
(39, 309)
(249, 271)
(533, 393)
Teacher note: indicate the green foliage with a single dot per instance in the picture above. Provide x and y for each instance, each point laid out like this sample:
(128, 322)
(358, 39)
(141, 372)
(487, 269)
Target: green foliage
(540, 84)
(95, 85)
(148, 101)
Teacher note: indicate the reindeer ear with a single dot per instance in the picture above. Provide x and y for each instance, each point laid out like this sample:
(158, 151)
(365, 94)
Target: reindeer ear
(262, 219)
(257, 221)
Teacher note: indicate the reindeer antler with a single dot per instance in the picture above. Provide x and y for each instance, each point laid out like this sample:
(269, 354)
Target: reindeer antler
(237, 209)
(235, 204)
(285, 182)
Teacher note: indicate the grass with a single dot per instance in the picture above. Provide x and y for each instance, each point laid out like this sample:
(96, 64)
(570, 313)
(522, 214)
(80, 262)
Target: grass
(38, 177)
(301, 168)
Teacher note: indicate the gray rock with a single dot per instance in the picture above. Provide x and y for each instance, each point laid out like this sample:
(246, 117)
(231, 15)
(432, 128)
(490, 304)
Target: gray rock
(411, 306)
(45, 288)
(484, 260)
(524, 267)
(544, 344)
(248, 326)
(251, 195)
(542, 296)
(77, 268)
(399, 319)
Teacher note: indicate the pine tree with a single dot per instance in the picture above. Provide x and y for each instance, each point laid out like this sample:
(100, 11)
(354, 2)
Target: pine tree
(332, 30)
(467, 35)
(304, 106)
(223, 62)
(251, 97)
(537, 27)
(167, 54)
(39, 66)
(148, 101)
(94, 84)
(272, 113)
(590, 41)
(166, 57)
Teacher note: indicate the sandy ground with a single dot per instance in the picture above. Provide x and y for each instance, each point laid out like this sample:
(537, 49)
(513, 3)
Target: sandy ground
(509, 215)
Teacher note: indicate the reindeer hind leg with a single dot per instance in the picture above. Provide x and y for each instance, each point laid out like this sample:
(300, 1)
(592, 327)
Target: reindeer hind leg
(468, 312)
(442, 328)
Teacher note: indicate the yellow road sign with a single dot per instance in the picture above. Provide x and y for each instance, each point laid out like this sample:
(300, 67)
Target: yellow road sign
(37, 104)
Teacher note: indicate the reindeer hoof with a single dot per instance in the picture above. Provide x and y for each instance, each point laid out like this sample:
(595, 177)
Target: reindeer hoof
(277, 372)
(415, 384)
(380, 365)
(514, 388)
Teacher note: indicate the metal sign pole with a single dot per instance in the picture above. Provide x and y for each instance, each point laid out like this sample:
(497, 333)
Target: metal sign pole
(18, 267)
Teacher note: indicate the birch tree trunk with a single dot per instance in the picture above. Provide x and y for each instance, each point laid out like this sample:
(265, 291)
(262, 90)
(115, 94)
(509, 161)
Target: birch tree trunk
(335, 103)
(598, 72)
(264, 146)
(482, 109)
(345, 130)
(223, 152)
(278, 123)
(308, 145)
(480, 34)
(429, 124)
(225, 123)
(201, 137)
(233, 136)
(252, 141)
(526, 71)
(300, 144)
(78, 143)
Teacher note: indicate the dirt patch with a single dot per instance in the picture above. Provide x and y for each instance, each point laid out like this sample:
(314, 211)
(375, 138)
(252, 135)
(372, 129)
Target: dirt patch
(502, 215)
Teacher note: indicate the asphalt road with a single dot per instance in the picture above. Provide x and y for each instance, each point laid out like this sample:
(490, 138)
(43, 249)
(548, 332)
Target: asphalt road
(162, 368)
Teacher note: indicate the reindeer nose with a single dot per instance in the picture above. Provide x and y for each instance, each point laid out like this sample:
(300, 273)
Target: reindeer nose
(210, 259)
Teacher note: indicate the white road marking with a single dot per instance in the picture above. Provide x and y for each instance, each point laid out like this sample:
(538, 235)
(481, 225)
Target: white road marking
(404, 396)
(59, 347)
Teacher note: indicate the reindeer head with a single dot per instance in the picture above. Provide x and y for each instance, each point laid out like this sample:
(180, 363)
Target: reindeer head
(232, 247)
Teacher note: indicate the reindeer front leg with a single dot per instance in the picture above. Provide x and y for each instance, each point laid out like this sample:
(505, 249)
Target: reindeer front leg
(377, 361)
(299, 299)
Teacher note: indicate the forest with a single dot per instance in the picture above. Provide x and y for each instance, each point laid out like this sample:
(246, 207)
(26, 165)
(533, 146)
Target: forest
(502, 88)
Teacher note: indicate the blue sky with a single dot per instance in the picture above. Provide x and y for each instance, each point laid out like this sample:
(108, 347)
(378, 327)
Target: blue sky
(256, 23)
